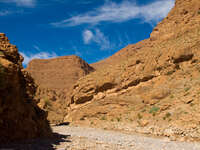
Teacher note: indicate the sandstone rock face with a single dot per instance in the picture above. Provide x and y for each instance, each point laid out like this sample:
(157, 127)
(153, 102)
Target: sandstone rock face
(20, 117)
(154, 81)
(55, 78)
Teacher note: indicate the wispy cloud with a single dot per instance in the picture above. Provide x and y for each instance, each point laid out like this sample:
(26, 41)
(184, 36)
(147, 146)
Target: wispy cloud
(97, 37)
(37, 47)
(5, 12)
(10, 12)
(120, 12)
(41, 55)
(23, 3)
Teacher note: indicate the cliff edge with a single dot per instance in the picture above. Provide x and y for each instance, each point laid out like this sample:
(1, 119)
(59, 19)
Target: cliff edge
(20, 117)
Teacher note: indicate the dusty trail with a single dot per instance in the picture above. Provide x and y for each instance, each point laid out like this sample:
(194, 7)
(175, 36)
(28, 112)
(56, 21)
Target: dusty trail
(96, 139)
(81, 138)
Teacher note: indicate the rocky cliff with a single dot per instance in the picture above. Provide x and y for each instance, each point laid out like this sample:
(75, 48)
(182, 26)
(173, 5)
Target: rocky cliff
(55, 78)
(20, 117)
(151, 87)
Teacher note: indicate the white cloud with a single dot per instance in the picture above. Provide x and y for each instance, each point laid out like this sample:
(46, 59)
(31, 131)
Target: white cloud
(157, 11)
(97, 37)
(10, 12)
(36, 47)
(41, 55)
(120, 12)
(24, 3)
(87, 36)
(5, 13)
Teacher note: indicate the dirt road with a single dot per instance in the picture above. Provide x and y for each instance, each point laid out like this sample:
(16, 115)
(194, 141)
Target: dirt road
(79, 138)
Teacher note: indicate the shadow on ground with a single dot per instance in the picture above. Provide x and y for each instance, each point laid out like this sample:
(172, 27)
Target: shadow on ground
(37, 144)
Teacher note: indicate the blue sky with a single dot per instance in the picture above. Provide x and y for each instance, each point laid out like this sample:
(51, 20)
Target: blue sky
(91, 29)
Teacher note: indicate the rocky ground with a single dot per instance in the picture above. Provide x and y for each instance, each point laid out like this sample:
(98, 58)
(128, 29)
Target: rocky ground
(82, 138)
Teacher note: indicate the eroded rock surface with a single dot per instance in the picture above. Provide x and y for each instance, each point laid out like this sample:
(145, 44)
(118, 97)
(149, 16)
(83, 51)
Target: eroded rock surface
(20, 117)
(151, 87)
(55, 78)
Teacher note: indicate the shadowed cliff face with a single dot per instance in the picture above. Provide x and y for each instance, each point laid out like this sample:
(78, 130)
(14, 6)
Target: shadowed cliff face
(55, 78)
(152, 85)
(20, 117)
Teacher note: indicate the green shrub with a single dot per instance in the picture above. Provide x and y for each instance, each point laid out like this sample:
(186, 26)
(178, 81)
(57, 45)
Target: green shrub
(1, 53)
(82, 118)
(167, 115)
(118, 119)
(144, 110)
(139, 116)
(103, 118)
(47, 102)
(192, 104)
(187, 89)
(170, 72)
(154, 109)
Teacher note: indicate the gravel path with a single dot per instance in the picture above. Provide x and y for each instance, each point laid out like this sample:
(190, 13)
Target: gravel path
(96, 139)
(79, 138)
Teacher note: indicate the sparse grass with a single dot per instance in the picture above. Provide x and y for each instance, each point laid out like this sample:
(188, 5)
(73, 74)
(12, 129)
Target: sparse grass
(1, 53)
(143, 68)
(154, 109)
(187, 89)
(167, 115)
(91, 122)
(112, 120)
(172, 96)
(82, 118)
(192, 104)
(199, 12)
(187, 94)
(103, 118)
(118, 119)
(170, 72)
(131, 120)
(144, 110)
(47, 102)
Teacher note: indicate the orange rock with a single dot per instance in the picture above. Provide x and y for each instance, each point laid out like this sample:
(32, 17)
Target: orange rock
(20, 117)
